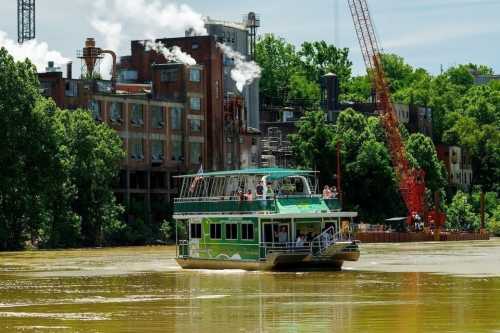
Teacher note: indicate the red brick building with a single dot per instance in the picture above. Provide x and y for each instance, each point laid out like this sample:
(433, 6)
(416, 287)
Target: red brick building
(170, 116)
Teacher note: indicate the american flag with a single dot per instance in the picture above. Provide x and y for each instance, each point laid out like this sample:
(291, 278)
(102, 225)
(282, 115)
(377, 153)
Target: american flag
(199, 176)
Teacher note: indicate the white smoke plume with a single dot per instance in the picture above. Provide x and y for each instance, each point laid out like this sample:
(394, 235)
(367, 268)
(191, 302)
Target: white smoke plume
(120, 20)
(171, 54)
(37, 52)
(244, 71)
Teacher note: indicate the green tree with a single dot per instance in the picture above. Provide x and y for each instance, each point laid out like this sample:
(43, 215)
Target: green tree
(358, 89)
(94, 153)
(313, 145)
(369, 183)
(476, 127)
(290, 75)
(29, 169)
(319, 58)
(423, 155)
(278, 60)
(460, 214)
(398, 73)
(304, 90)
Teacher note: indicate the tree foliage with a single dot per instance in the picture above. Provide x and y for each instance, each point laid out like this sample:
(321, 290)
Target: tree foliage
(460, 214)
(290, 75)
(314, 145)
(55, 164)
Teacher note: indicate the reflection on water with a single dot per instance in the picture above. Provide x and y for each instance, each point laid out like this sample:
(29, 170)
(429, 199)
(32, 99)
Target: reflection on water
(143, 290)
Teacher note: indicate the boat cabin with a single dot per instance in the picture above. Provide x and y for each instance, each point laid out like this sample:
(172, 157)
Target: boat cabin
(245, 215)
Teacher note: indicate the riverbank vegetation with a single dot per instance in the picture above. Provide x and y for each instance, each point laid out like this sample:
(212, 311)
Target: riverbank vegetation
(463, 114)
(57, 168)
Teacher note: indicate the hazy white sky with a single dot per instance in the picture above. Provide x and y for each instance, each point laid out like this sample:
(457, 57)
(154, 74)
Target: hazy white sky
(427, 33)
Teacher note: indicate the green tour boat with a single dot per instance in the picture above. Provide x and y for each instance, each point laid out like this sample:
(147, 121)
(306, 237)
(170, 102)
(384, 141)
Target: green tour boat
(260, 219)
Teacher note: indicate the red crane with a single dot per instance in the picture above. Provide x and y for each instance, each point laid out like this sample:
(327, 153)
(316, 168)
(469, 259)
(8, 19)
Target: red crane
(411, 181)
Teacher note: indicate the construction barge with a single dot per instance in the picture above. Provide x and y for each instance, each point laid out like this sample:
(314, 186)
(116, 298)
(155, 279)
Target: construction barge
(260, 219)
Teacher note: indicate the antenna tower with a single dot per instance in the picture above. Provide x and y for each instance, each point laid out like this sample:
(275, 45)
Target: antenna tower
(25, 20)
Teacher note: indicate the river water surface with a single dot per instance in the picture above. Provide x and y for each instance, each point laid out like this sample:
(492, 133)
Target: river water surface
(418, 287)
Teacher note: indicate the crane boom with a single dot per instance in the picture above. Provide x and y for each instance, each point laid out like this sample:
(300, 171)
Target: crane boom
(411, 181)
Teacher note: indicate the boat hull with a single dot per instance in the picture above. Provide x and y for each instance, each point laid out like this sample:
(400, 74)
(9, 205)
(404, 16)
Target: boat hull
(331, 260)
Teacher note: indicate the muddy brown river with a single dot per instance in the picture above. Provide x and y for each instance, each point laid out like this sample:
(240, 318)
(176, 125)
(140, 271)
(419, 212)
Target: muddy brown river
(418, 287)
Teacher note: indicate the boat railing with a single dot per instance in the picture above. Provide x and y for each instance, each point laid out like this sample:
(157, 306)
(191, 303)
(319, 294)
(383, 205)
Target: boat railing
(321, 242)
(241, 205)
(283, 247)
(255, 198)
(183, 248)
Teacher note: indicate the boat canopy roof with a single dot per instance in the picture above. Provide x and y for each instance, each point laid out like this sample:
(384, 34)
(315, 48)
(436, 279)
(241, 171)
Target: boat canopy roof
(275, 173)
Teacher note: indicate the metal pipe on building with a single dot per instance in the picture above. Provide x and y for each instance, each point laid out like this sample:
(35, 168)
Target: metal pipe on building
(113, 69)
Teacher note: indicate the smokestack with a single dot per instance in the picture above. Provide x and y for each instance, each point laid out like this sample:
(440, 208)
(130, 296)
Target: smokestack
(69, 70)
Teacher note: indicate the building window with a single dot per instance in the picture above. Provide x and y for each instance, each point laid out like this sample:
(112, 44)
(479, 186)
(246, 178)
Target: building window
(247, 231)
(157, 150)
(195, 153)
(137, 149)
(195, 125)
(177, 151)
(231, 231)
(95, 109)
(71, 89)
(194, 75)
(195, 103)
(116, 112)
(168, 75)
(176, 118)
(137, 118)
(195, 230)
(215, 231)
(195, 46)
(157, 120)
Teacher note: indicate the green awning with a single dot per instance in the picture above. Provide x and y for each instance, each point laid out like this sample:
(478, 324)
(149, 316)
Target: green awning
(273, 173)
(301, 205)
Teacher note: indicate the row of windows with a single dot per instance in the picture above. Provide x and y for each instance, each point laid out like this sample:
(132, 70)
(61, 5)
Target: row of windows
(137, 113)
(158, 151)
(172, 75)
(231, 231)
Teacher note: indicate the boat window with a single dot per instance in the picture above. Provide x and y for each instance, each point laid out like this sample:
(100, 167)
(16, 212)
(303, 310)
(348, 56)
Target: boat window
(215, 231)
(231, 231)
(247, 231)
(195, 230)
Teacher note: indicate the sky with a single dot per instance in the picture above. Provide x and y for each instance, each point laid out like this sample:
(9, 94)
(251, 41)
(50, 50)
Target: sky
(431, 34)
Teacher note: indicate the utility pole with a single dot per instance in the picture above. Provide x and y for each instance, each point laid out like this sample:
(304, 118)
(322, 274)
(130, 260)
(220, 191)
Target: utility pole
(25, 20)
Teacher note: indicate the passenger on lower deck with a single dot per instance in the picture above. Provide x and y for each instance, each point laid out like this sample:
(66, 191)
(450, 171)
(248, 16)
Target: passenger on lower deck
(283, 235)
(300, 241)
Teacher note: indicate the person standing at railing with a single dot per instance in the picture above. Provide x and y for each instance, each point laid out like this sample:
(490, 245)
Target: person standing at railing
(259, 189)
(300, 241)
(283, 236)
(249, 195)
(327, 193)
(334, 193)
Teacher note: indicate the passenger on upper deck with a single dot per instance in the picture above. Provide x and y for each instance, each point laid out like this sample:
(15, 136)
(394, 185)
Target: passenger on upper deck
(327, 193)
(260, 188)
(334, 192)
(249, 195)
(270, 192)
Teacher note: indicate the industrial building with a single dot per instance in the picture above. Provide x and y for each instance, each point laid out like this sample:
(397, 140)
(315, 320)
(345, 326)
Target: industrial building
(241, 37)
(172, 117)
